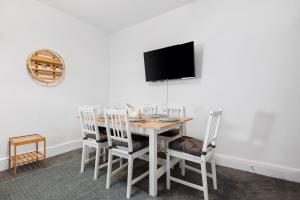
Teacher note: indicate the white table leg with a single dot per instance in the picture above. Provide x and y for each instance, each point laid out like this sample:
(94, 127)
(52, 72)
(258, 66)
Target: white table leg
(153, 164)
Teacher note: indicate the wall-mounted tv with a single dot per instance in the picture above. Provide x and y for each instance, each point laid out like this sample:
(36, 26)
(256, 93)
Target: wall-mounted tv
(174, 62)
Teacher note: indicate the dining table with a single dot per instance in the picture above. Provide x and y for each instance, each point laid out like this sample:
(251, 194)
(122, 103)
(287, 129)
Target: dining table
(152, 127)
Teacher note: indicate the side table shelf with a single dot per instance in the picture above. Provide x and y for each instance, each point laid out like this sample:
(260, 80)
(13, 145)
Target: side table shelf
(24, 158)
(27, 158)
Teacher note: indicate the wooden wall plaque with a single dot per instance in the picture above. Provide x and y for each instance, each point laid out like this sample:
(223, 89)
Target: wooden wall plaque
(46, 66)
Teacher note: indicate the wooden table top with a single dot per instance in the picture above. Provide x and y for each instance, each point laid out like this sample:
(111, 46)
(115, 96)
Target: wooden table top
(26, 139)
(152, 123)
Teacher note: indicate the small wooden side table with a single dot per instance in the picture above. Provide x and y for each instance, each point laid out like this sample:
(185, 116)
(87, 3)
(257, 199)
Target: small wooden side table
(20, 159)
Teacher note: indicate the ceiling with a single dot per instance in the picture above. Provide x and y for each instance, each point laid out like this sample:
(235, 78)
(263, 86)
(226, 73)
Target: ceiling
(115, 15)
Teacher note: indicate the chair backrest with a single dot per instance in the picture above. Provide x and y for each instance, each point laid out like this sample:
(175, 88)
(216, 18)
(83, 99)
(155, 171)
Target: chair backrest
(97, 108)
(148, 108)
(211, 131)
(116, 121)
(175, 111)
(88, 122)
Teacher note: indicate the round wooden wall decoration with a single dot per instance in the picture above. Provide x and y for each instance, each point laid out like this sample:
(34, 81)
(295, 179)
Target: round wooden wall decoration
(46, 66)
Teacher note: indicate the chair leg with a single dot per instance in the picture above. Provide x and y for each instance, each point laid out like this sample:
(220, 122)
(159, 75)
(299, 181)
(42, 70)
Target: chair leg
(166, 145)
(97, 163)
(204, 180)
(168, 172)
(87, 152)
(129, 177)
(121, 162)
(214, 173)
(104, 154)
(182, 166)
(83, 158)
(109, 165)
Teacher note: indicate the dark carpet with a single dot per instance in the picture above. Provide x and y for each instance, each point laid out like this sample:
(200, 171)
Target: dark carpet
(64, 182)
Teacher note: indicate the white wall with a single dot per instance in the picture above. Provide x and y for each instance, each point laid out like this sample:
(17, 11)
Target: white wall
(248, 52)
(25, 106)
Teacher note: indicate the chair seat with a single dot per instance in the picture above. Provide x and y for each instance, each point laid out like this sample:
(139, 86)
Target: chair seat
(187, 145)
(103, 135)
(138, 142)
(170, 133)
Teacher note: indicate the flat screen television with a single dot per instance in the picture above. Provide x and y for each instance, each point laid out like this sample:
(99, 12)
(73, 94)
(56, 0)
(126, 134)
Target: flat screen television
(174, 62)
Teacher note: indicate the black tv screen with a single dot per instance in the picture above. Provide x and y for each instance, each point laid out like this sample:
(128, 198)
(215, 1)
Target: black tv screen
(174, 62)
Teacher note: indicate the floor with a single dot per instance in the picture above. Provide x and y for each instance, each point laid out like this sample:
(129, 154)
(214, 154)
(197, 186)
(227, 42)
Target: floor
(232, 183)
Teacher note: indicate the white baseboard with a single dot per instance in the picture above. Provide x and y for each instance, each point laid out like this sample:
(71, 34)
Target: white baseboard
(267, 169)
(51, 151)
(63, 148)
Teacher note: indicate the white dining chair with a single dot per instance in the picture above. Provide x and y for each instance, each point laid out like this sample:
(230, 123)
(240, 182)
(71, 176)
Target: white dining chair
(197, 151)
(97, 109)
(93, 137)
(124, 144)
(169, 136)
